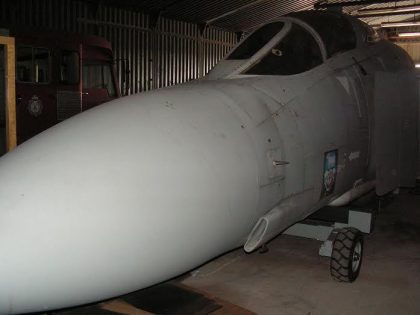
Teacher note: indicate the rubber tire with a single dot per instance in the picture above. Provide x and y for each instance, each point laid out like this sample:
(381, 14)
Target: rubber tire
(342, 254)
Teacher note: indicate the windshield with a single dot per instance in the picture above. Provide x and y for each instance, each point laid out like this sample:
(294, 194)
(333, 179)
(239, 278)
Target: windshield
(257, 40)
(98, 76)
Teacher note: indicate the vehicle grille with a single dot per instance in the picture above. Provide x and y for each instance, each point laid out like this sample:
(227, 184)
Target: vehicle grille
(69, 103)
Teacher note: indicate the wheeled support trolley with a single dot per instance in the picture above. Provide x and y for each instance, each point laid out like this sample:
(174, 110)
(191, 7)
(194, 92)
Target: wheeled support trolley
(341, 231)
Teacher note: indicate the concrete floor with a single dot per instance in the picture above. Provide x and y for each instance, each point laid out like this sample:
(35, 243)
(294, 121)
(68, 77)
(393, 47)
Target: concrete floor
(292, 279)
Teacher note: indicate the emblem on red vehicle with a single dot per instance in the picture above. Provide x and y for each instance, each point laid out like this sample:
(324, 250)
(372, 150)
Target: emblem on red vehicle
(35, 106)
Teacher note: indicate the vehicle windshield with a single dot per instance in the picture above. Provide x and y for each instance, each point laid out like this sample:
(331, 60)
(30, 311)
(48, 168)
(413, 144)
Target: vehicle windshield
(257, 40)
(98, 76)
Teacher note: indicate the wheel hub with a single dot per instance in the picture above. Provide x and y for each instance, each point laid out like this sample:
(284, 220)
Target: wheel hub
(357, 253)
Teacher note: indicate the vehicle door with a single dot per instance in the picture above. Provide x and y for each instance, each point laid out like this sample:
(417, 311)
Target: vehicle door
(35, 102)
(98, 78)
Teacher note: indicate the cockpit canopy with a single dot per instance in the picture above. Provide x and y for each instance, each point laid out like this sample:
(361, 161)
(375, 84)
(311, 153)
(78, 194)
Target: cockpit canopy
(296, 52)
(294, 44)
(256, 41)
(336, 31)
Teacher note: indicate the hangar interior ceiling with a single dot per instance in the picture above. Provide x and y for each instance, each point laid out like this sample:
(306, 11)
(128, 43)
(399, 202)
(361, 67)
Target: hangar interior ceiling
(243, 15)
(158, 43)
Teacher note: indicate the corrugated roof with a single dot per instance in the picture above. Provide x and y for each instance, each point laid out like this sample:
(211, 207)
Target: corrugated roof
(202, 11)
(388, 18)
(233, 15)
(240, 15)
(260, 13)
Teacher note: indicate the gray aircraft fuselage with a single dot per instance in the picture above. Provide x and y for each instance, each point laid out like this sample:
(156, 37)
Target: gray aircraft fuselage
(144, 188)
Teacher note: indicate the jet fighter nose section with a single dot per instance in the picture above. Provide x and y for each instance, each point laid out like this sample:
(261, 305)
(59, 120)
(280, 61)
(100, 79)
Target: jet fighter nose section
(98, 205)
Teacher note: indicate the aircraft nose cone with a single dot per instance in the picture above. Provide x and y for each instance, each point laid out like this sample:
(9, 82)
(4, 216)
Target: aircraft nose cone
(119, 198)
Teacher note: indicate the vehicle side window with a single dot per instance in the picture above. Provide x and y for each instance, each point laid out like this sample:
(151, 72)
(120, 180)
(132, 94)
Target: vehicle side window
(41, 65)
(98, 76)
(256, 41)
(32, 64)
(24, 64)
(69, 67)
(297, 52)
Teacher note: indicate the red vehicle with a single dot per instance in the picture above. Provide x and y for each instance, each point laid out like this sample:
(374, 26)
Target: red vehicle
(59, 75)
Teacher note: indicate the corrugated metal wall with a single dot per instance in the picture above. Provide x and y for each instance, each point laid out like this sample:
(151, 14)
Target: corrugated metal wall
(412, 48)
(170, 53)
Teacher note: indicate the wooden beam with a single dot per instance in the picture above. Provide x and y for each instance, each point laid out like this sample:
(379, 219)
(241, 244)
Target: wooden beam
(10, 76)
